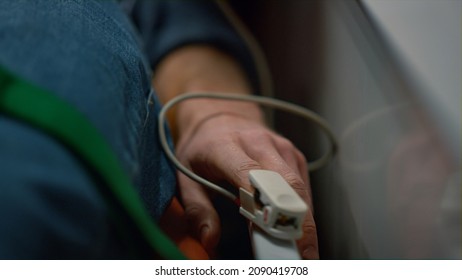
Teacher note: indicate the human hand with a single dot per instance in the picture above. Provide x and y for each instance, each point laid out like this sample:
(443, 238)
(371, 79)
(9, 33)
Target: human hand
(225, 146)
(223, 140)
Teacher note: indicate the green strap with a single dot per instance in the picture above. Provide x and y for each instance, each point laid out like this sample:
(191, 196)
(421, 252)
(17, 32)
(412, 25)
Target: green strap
(45, 111)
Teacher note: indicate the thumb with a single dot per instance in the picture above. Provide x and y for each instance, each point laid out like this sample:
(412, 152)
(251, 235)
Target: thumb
(202, 218)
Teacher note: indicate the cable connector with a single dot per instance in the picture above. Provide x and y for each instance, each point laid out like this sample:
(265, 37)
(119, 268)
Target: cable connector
(274, 206)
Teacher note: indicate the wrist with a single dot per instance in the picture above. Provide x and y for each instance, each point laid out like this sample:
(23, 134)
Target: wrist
(193, 113)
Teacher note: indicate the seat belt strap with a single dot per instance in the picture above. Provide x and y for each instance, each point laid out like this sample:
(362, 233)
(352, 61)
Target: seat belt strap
(44, 111)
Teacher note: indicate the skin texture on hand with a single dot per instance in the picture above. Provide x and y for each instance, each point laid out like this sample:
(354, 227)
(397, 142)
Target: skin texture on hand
(228, 147)
(223, 140)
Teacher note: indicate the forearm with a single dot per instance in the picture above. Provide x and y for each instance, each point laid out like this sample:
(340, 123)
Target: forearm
(196, 68)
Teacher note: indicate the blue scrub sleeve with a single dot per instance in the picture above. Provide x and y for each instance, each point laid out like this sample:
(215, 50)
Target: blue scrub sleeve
(178, 23)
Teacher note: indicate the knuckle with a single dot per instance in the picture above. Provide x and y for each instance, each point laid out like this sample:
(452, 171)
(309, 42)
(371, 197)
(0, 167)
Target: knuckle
(285, 144)
(303, 162)
(217, 144)
(254, 135)
(245, 167)
(301, 157)
(296, 182)
(199, 212)
(193, 211)
(242, 170)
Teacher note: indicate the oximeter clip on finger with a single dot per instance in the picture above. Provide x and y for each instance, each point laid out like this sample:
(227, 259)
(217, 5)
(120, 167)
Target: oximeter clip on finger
(274, 206)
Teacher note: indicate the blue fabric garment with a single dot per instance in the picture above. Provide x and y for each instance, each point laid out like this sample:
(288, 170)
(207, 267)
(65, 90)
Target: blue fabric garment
(178, 23)
(90, 54)
(86, 52)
